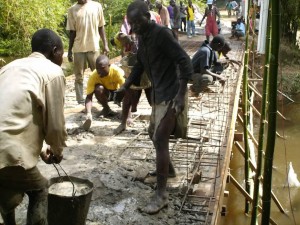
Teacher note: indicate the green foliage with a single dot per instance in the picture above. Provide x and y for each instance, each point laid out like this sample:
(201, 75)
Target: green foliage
(19, 19)
(290, 83)
(114, 12)
(290, 19)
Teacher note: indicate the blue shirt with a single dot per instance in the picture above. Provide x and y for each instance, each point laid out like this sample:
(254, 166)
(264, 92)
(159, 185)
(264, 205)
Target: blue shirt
(204, 58)
(241, 27)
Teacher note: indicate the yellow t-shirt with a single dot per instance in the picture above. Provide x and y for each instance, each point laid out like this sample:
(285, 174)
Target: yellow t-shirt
(112, 81)
(191, 13)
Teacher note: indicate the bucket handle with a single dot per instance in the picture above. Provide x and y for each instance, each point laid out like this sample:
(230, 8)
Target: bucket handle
(73, 192)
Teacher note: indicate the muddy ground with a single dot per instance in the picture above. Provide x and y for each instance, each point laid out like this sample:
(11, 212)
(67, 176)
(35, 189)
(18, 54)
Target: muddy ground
(119, 176)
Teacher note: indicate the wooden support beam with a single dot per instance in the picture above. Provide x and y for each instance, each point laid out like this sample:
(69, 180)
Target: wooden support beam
(259, 95)
(258, 113)
(250, 133)
(246, 195)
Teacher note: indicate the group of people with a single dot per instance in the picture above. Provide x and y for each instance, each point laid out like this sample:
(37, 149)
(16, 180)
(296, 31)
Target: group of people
(33, 108)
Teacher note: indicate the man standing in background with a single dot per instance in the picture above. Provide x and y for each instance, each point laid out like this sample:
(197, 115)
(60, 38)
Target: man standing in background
(163, 12)
(86, 25)
(190, 19)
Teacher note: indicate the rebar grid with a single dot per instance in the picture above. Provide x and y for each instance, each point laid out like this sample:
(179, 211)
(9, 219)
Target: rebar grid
(197, 158)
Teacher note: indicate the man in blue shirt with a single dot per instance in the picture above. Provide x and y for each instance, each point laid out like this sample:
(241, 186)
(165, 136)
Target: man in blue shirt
(239, 30)
(205, 65)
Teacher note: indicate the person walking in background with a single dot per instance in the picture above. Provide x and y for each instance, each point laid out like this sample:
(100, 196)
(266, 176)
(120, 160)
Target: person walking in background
(211, 28)
(176, 18)
(160, 54)
(103, 81)
(190, 11)
(238, 10)
(228, 8)
(32, 93)
(86, 25)
(171, 13)
(163, 12)
(182, 17)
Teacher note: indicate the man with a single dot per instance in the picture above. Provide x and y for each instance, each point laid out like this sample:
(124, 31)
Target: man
(164, 13)
(32, 112)
(86, 25)
(132, 95)
(160, 54)
(190, 11)
(175, 25)
(239, 30)
(205, 65)
(103, 81)
(211, 28)
(123, 42)
(182, 17)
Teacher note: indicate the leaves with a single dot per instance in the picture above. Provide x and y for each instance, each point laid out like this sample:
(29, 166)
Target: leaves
(19, 19)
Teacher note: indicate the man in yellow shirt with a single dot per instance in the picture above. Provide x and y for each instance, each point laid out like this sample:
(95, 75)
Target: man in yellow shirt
(190, 19)
(103, 81)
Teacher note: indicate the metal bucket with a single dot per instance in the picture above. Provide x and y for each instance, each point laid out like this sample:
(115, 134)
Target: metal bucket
(69, 209)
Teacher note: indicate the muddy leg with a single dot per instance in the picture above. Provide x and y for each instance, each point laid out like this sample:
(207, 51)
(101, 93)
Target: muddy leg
(161, 143)
(126, 106)
(38, 207)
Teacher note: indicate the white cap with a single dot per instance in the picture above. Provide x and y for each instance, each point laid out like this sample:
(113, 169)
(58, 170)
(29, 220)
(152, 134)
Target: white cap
(209, 2)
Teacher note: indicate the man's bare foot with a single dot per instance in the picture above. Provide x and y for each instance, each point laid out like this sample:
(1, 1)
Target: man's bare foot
(105, 112)
(156, 203)
(120, 129)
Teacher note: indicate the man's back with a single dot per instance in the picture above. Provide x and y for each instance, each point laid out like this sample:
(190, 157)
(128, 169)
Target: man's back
(203, 58)
(25, 85)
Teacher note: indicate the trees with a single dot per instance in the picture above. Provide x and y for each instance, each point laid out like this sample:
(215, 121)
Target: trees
(290, 18)
(19, 19)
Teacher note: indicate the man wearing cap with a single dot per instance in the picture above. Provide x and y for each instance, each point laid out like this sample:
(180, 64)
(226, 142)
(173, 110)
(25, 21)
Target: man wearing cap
(205, 65)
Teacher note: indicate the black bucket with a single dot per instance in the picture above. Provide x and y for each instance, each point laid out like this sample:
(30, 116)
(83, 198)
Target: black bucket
(69, 210)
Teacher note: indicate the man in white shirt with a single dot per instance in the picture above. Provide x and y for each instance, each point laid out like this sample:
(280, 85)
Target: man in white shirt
(32, 111)
(86, 25)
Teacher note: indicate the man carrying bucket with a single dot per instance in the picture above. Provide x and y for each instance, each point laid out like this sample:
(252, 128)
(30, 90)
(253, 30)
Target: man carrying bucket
(32, 103)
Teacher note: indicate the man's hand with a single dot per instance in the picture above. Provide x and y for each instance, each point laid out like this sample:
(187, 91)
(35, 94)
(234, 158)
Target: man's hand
(48, 157)
(105, 50)
(121, 89)
(70, 56)
(222, 81)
